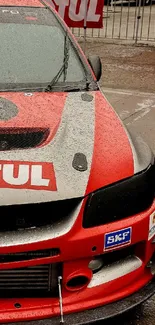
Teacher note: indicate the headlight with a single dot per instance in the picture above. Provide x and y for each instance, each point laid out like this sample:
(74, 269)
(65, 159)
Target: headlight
(120, 200)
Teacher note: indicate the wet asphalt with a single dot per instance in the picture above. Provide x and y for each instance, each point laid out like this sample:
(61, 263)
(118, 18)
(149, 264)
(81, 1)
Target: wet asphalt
(142, 315)
(137, 110)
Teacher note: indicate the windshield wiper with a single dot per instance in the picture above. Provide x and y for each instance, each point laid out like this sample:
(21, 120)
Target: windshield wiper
(64, 67)
(65, 88)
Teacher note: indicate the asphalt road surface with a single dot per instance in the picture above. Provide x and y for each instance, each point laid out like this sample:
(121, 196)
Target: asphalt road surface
(137, 110)
(125, 66)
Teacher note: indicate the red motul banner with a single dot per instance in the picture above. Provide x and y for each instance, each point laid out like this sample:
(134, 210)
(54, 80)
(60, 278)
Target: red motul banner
(74, 12)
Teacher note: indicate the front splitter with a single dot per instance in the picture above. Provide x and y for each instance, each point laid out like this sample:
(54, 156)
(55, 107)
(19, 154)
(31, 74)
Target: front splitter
(100, 313)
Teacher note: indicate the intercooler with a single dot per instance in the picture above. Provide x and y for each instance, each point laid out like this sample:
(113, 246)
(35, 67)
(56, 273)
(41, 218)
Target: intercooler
(34, 281)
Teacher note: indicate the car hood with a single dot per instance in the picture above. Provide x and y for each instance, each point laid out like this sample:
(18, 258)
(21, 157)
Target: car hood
(87, 146)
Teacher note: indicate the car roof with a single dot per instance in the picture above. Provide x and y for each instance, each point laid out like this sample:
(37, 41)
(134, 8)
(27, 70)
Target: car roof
(21, 3)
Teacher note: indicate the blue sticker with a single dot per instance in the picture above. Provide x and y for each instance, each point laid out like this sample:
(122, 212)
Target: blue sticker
(117, 238)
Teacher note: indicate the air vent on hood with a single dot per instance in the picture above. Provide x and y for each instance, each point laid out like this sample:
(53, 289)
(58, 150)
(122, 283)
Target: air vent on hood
(22, 138)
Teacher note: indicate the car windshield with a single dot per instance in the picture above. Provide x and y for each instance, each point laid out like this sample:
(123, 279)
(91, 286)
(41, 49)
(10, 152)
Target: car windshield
(33, 48)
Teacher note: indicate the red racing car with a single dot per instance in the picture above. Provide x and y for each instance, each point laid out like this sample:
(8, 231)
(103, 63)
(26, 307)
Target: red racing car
(77, 231)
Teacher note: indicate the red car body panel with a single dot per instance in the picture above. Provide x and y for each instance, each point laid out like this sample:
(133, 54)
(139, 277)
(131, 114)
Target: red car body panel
(75, 125)
(47, 112)
(105, 168)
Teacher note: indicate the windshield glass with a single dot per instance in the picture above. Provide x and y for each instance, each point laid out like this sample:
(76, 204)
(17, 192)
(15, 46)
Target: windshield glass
(33, 45)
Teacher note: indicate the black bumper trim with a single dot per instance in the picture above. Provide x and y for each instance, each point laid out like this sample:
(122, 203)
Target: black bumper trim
(100, 313)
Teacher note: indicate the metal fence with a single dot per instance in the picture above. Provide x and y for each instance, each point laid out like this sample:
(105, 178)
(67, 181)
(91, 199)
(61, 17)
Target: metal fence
(126, 20)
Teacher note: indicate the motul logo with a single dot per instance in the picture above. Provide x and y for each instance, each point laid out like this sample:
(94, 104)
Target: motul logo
(27, 175)
(76, 9)
(73, 12)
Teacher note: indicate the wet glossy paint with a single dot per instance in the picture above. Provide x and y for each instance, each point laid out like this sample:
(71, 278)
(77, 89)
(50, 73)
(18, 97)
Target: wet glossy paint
(76, 125)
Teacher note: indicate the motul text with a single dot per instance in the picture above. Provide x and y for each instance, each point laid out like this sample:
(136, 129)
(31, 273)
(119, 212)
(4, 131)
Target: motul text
(74, 12)
(27, 175)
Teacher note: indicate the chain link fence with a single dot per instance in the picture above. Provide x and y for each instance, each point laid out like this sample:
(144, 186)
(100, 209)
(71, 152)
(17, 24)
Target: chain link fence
(125, 20)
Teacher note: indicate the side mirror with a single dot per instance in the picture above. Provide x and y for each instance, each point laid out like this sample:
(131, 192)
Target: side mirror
(96, 65)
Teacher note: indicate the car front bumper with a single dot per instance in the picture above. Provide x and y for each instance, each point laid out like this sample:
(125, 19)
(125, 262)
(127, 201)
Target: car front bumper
(101, 313)
(121, 284)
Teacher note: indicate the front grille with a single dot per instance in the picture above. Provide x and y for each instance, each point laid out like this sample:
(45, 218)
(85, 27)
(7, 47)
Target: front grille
(35, 281)
(31, 255)
(120, 200)
(21, 139)
(27, 216)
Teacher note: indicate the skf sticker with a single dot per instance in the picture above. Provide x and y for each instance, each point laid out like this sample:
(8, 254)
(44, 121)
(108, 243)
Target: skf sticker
(27, 175)
(117, 238)
(152, 225)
